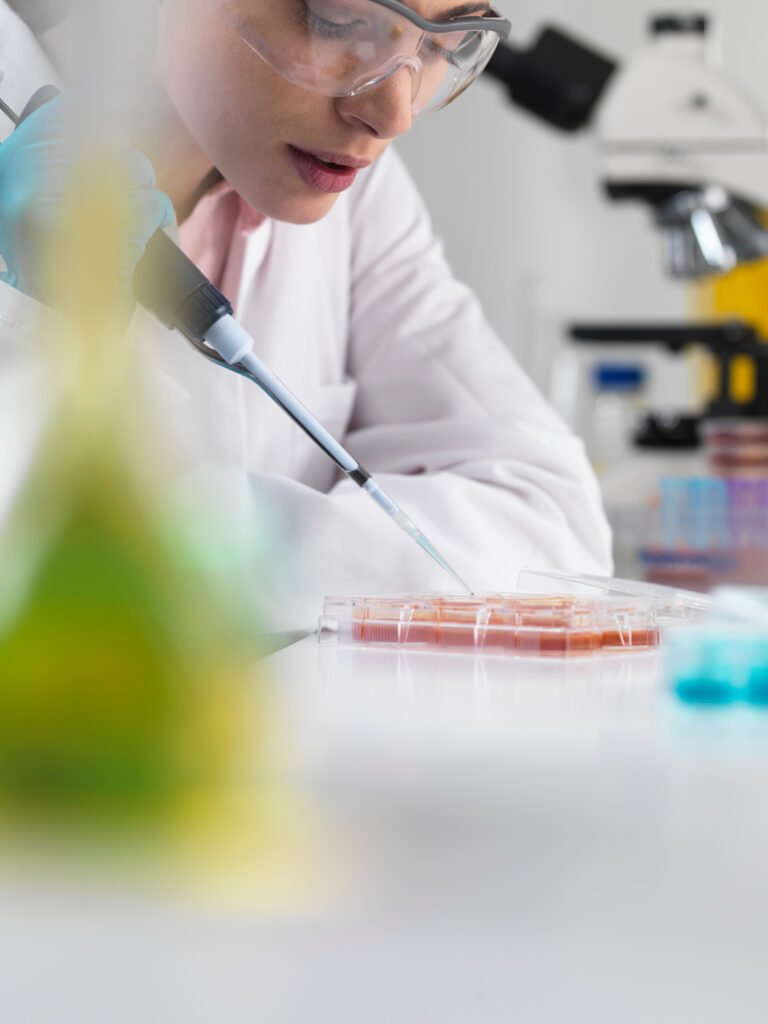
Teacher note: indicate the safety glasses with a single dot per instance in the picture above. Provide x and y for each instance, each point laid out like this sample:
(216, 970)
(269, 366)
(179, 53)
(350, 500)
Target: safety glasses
(344, 47)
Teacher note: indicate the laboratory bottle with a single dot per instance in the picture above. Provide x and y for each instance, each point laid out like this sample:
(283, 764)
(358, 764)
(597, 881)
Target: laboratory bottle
(617, 395)
(128, 697)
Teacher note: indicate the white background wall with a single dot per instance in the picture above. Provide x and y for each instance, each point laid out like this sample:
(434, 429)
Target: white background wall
(519, 205)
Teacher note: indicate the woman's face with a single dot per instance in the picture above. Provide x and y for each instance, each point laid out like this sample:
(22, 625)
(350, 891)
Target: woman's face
(263, 133)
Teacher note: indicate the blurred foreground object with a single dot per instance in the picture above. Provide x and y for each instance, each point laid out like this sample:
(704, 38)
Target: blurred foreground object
(35, 164)
(127, 691)
(725, 660)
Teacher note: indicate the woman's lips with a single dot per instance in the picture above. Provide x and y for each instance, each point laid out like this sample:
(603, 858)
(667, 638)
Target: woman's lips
(319, 175)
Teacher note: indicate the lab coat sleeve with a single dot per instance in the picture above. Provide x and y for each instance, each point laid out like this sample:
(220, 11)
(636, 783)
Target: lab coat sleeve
(449, 425)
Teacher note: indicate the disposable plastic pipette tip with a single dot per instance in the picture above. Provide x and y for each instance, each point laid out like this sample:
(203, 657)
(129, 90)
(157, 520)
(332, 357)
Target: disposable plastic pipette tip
(432, 551)
(406, 523)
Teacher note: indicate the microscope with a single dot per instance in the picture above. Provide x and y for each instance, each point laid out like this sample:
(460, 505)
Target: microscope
(674, 131)
(678, 134)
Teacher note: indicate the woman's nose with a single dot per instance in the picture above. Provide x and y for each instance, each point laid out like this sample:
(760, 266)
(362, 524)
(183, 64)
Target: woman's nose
(385, 110)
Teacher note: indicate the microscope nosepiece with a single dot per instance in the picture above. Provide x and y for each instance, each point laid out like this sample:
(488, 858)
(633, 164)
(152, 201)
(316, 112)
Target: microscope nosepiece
(708, 231)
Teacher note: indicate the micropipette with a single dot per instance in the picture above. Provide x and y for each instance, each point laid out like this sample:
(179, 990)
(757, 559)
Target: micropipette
(229, 342)
(169, 285)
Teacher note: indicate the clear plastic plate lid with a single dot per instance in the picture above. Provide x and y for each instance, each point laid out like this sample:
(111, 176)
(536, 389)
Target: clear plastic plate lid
(669, 603)
(745, 604)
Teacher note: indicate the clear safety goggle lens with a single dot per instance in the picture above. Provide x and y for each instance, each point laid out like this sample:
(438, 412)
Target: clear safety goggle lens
(343, 47)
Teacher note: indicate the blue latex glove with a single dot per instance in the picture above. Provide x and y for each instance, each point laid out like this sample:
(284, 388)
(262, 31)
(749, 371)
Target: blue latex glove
(35, 163)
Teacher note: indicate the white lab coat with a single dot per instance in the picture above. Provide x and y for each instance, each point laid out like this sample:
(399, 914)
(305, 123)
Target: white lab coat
(360, 315)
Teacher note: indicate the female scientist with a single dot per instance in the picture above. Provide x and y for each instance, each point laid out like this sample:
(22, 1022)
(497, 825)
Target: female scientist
(275, 155)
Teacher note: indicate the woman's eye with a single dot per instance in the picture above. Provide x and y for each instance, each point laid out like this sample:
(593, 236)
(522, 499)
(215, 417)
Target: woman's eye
(433, 51)
(325, 28)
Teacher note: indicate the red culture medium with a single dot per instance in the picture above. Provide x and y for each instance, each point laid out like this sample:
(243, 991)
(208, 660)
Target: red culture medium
(522, 625)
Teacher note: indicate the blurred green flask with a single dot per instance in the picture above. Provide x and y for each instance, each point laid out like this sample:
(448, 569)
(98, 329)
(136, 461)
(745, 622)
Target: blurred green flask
(126, 675)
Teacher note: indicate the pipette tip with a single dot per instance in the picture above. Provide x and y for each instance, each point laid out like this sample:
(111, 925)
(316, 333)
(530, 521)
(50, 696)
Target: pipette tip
(404, 521)
(432, 551)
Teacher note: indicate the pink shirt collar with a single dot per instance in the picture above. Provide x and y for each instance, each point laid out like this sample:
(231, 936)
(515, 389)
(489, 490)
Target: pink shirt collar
(220, 218)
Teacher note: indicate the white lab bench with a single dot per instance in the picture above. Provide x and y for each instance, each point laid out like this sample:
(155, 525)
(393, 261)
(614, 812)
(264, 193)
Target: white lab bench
(504, 841)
